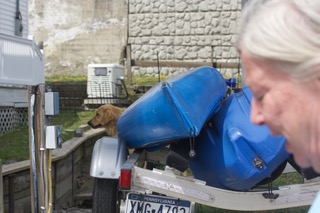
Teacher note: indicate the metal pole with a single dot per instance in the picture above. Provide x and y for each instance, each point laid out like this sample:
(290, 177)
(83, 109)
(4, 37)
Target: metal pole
(128, 48)
(42, 163)
(38, 152)
(243, 83)
(32, 151)
(1, 188)
(128, 63)
(158, 65)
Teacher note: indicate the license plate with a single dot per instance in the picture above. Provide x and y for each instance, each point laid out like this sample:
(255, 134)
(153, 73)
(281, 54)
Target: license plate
(138, 203)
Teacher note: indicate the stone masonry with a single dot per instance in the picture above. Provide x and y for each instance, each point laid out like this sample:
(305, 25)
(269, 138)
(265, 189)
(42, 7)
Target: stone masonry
(183, 30)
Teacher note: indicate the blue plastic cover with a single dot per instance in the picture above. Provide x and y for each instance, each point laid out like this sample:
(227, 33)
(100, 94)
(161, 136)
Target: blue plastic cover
(229, 147)
(174, 109)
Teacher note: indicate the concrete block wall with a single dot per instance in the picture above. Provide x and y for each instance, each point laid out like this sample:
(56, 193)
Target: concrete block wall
(182, 30)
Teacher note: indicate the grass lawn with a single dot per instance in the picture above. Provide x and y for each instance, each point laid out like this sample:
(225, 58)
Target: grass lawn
(15, 145)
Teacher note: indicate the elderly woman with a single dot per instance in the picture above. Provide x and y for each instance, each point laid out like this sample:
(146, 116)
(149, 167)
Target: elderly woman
(279, 42)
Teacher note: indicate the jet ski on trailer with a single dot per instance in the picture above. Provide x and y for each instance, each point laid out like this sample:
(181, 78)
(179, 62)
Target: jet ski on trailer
(193, 114)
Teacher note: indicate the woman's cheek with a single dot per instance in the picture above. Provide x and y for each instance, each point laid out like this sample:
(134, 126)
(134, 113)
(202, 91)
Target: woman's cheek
(300, 158)
(302, 161)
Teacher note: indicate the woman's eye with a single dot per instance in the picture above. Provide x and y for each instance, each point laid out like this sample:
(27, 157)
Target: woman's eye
(259, 98)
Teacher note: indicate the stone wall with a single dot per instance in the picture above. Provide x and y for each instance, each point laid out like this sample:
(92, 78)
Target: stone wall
(182, 30)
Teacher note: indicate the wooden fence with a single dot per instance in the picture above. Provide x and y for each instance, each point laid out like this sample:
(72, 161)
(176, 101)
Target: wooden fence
(70, 165)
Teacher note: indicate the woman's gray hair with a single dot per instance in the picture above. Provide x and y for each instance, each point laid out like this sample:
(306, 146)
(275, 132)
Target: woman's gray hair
(283, 32)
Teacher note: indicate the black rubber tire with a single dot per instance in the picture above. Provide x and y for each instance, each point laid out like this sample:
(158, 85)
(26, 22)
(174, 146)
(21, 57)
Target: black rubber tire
(106, 196)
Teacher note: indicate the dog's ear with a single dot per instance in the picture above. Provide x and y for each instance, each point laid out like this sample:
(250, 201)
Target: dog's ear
(109, 116)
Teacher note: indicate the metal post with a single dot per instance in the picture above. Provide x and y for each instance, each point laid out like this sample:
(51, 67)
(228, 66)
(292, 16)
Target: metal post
(32, 151)
(38, 152)
(212, 54)
(243, 83)
(128, 63)
(158, 65)
(1, 188)
(40, 124)
(128, 49)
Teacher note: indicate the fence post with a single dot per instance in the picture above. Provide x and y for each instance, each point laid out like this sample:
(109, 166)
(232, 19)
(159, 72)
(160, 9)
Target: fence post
(128, 63)
(1, 188)
(11, 192)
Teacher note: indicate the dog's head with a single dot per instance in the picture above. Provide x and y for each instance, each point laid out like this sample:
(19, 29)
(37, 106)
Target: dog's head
(106, 115)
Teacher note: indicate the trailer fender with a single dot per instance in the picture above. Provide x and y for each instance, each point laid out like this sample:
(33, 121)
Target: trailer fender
(107, 158)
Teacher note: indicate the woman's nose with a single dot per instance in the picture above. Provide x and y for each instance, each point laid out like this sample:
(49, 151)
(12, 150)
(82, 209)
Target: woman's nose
(256, 116)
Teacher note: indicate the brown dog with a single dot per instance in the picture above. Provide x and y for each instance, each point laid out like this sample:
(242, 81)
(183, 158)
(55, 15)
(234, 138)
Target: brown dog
(106, 117)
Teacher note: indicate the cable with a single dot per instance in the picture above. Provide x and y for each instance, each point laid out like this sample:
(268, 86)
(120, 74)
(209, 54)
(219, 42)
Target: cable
(49, 181)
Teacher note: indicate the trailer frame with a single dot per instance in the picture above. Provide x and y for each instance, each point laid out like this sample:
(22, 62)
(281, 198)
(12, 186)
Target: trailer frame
(170, 182)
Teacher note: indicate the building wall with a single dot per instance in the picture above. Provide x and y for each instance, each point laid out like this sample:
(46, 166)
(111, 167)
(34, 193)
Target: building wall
(8, 14)
(80, 32)
(183, 30)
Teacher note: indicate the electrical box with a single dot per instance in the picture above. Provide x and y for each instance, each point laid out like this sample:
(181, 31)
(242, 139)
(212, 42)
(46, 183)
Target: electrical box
(53, 137)
(51, 103)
